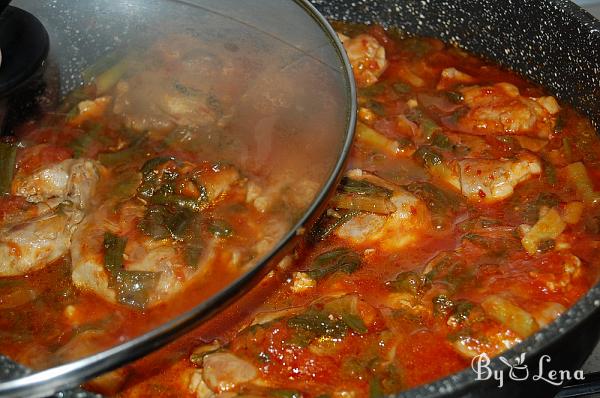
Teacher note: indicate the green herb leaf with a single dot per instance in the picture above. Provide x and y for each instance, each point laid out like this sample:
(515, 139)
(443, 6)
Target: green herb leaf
(410, 282)
(134, 287)
(114, 247)
(428, 156)
(355, 323)
(327, 224)
(441, 203)
(455, 97)
(337, 260)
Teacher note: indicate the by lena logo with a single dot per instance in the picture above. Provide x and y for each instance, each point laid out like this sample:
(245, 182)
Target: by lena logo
(519, 371)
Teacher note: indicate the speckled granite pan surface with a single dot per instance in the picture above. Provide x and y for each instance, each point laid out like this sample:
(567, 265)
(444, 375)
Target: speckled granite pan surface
(556, 44)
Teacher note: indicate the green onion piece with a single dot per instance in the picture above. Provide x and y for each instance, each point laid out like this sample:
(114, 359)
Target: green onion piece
(364, 187)
(327, 224)
(114, 247)
(375, 389)
(84, 141)
(441, 140)
(133, 287)
(455, 97)
(176, 200)
(371, 204)
(314, 324)
(337, 260)
(427, 156)
(441, 203)
(442, 305)
(355, 323)
(429, 127)
(560, 123)
(107, 79)
(371, 91)
(410, 282)
(8, 155)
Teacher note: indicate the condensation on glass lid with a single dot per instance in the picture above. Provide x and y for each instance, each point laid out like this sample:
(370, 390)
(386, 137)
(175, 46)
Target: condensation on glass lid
(184, 146)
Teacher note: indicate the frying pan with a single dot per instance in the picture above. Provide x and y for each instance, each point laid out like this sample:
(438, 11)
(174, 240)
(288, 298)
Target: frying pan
(556, 44)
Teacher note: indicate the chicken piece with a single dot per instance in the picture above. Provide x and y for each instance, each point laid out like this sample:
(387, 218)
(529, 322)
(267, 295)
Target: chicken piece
(90, 110)
(31, 245)
(548, 227)
(41, 233)
(72, 180)
(166, 245)
(548, 312)
(561, 277)
(490, 180)
(151, 99)
(500, 109)
(367, 58)
(223, 371)
(163, 266)
(510, 315)
(451, 77)
(494, 341)
(393, 231)
(197, 385)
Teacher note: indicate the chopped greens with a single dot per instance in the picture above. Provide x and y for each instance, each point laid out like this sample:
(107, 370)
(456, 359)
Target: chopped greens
(337, 260)
(442, 204)
(329, 223)
(455, 97)
(410, 282)
(363, 187)
(315, 324)
(441, 140)
(132, 286)
(114, 247)
(371, 204)
(429, 127)
(333, 321)
(428, 156)
(355, 323)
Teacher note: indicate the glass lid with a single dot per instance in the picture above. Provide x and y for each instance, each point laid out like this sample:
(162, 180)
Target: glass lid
(159, 163)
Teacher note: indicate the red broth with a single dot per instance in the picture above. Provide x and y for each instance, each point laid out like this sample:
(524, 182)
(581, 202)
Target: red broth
(169, 174)
(466, 221)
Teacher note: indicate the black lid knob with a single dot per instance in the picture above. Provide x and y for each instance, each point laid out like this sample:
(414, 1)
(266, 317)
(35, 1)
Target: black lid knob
(24, 45)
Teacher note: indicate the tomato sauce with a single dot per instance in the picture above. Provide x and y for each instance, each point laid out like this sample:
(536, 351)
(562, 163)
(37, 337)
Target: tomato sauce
(466, 221)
